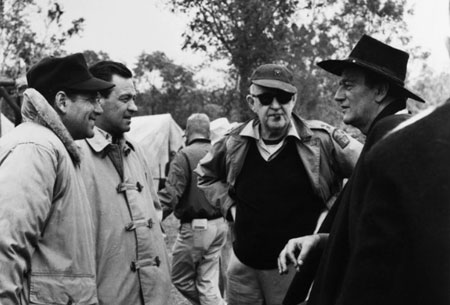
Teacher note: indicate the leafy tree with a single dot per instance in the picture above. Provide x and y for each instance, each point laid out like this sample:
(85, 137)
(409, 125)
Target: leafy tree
(329, 29)
(22, 43)
(166, 87)
(295, 33)
(248, 32)
(433, 86)
(92, 57)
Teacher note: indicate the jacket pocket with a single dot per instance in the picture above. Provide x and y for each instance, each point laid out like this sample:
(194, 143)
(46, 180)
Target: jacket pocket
(50, 288)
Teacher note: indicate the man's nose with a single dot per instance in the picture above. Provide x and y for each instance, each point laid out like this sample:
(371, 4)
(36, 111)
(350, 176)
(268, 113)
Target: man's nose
(98, 109)
(275, 103)
(339, 95)
(132, 107)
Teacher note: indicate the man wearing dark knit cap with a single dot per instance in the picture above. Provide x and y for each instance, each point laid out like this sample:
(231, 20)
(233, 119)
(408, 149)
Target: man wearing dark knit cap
(272, 177)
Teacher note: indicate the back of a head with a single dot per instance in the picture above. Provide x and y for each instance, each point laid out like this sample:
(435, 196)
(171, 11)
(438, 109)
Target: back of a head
(197, 126)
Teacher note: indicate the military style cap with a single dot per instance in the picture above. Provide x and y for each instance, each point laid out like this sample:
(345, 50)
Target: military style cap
(274, 76)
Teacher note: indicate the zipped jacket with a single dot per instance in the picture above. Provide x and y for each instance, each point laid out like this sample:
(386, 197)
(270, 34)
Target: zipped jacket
(328, 154)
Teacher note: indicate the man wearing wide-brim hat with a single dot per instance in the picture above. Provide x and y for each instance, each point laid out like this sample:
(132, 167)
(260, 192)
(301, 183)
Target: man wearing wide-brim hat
(371, 91)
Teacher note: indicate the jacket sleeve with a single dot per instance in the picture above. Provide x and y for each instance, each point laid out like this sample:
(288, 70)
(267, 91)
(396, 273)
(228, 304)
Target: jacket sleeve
(27, 182)
(176, 183)
(212, 178)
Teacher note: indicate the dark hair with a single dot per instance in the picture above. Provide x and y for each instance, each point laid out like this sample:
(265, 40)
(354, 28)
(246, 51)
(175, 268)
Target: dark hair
(372, 79)
(106, 69)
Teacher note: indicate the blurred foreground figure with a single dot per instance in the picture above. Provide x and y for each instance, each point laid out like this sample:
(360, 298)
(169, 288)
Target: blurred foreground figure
(371, 92)
(273, 176)
(46, 232)
(131, 256)
(203, 230)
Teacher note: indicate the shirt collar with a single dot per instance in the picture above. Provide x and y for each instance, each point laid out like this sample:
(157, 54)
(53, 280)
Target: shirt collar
(252, 130)
(102, 139)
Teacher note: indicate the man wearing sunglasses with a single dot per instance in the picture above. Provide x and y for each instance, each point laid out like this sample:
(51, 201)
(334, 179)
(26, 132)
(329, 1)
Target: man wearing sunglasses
(272, 177)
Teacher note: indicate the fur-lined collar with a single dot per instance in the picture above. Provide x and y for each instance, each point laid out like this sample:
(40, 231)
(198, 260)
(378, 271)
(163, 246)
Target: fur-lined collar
(35, 108)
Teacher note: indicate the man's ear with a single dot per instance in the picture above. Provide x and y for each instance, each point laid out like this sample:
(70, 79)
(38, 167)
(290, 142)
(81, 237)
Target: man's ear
(382, 90)
(251, 102)
(295, 99)
(61, 102)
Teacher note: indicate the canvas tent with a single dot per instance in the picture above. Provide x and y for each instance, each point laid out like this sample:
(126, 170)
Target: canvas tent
(219, 127)
(6, 125)
(158, 135)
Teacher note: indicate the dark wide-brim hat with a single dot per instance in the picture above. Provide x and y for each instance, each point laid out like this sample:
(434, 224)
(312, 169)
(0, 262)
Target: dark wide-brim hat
(380, 58)
(64, 73)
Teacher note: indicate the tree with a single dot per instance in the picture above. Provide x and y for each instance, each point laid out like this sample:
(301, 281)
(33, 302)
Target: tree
(295, 33)
(248, 32)
(92, 57)
(329, 29)
(166, 87)
(23, 42)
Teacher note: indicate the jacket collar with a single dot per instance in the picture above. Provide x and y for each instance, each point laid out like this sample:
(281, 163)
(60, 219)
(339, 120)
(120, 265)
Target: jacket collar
(390, 109)
(103, 139)
(199, 140)
(35, 108)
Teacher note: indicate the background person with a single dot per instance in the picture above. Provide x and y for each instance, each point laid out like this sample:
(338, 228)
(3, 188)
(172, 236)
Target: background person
(203, 231)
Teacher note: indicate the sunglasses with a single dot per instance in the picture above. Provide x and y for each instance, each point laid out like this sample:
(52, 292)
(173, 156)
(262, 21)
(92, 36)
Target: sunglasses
(267, 98)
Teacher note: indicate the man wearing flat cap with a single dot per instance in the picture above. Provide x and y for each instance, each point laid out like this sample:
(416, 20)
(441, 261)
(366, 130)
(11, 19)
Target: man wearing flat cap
(272, 177)
(371, 91)
(46, 241)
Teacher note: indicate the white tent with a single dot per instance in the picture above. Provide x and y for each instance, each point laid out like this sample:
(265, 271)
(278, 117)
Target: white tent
(219, 127)
(158, 135)
(7, 125)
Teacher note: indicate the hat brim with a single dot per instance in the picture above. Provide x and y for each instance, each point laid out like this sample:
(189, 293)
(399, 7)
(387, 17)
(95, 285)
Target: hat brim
(271, 83)
(337, 66)
(92, 84)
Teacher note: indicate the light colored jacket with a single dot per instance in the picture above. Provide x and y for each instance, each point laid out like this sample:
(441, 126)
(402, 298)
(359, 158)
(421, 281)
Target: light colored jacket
(46, 240)
(328, 154)
(132, 261)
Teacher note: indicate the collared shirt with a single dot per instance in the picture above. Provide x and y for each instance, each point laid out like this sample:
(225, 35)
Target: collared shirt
(104, 143)
(267, 151)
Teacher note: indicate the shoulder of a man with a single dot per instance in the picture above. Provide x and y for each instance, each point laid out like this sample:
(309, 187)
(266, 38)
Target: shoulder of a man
(337, 135)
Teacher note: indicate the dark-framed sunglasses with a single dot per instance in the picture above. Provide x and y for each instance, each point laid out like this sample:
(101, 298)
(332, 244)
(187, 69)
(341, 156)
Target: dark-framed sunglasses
(267, 97)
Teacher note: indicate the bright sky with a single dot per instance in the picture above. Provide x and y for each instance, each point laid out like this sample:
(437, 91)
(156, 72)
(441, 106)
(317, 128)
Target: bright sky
(124, 29)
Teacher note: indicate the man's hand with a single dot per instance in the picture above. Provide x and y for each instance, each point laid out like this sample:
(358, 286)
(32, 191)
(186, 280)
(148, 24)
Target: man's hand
(304, 245)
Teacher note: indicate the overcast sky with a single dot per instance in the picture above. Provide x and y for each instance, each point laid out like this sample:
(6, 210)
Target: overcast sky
(124, 29)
